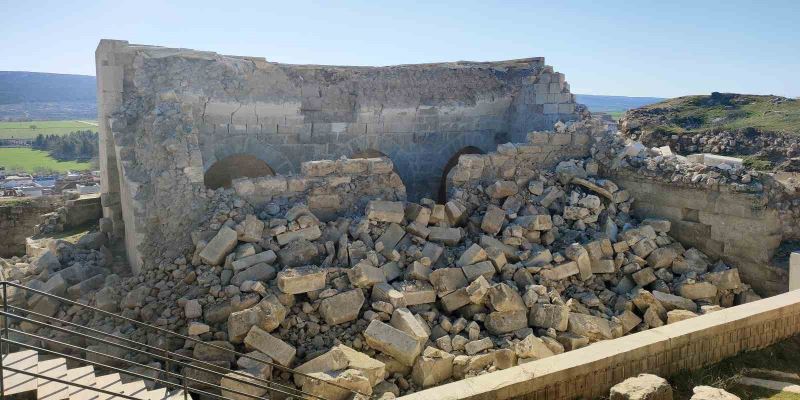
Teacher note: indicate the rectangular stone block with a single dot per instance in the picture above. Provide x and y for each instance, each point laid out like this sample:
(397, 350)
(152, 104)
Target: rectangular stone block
(301, 280)
(278, 350)
(268, 257)
(219, 247)
(385, 211)
(393, 342)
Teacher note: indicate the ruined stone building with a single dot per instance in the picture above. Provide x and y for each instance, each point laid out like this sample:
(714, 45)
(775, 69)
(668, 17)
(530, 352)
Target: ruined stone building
(175, 122)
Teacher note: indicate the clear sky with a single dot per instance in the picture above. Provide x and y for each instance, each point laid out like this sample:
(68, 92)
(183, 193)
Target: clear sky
(661, 48)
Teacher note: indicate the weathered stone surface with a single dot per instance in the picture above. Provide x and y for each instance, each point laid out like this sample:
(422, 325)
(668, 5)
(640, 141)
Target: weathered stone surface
(549, 316)
(385, 211)
(698, 290)
(725, 280)
(416, 292)
(474, 254)
(642, 387)
(343, 307)
(268, 257)
(405, 321)
(347, 380)
(432, 367)
(501, 322)
(277, 349)
(393, 342)
(532, 347)
(562, 271)
(365, 275)
(219, 247)
(594, 328)
(447, 280)
(448, 236)
(679, 315)
(503, 297)
(493, 220)
(301, 280)
(672, 302)
(711, 393)
(484, 268)
(252, 386)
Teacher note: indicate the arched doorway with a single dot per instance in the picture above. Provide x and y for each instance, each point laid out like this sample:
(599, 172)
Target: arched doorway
(442, 198)
(222, 172)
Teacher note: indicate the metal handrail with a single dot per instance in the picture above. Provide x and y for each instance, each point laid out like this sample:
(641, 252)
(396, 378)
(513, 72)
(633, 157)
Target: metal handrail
(111, 343)
(268, 385)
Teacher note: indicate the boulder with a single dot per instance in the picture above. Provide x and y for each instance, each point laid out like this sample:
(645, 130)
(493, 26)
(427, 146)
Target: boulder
(642, 387)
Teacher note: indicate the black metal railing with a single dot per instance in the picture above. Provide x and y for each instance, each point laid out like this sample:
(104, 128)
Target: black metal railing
(167, 376)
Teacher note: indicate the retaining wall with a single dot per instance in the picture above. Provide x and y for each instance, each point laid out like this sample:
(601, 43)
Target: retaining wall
(739, 228)
(590, 372)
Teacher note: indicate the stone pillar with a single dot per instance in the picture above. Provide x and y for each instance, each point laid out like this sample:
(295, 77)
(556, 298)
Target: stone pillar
(794, 270)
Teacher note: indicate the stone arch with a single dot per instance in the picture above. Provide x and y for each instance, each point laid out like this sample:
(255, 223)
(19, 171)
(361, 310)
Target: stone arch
(448, 167)
(224, 171)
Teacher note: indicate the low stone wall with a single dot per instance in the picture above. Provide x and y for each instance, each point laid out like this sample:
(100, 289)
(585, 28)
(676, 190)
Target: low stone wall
(17, 219)
(522, 160)
(329, 188)
(737, 227)
(590, 372)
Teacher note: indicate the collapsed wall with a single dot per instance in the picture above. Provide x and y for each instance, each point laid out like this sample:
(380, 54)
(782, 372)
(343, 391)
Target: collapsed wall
(168, 116)
(18, 219)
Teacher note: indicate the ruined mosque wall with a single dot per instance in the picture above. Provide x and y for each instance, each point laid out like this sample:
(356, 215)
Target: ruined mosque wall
(169, 115)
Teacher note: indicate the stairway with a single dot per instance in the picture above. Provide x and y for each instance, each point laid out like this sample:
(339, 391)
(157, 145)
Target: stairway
(29, 386)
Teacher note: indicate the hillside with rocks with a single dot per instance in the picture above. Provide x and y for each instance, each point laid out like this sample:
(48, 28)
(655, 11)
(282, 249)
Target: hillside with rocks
(764, 130)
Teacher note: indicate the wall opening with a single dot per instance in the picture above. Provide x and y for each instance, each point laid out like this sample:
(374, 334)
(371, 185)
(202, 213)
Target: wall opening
(368, 153)
(442, 196)
(224, 171)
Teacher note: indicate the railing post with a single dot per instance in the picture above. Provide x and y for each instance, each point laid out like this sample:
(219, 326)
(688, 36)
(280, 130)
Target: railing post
(185, 386)
(3, 342)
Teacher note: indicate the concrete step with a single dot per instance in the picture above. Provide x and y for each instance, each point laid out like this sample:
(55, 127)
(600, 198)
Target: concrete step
(178, 395)
(110, 382)
(135, 389)
(13, 382)
(157, 394)
(777, 386)
(84, 376)
(48, 389)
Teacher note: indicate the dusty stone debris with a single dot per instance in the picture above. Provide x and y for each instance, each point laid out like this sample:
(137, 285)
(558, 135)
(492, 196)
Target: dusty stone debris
(518, 265)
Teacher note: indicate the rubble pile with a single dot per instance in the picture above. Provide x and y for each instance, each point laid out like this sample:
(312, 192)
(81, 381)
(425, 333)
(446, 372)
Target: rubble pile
(410, 295)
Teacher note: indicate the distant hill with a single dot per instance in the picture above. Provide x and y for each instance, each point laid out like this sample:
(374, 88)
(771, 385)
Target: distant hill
(37, 96)
(612, 104)
(36, 87)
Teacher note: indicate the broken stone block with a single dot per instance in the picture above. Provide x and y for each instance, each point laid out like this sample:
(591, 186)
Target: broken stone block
(365, 275)
(644, 247)
(267, 315)
(603, 267)
(393, 342)
(447, 280)
(405, 321)
(281, 352)
(456, 212)
(562, 271)
(448, 236)
(478, 289)
(385, 292)
(571, 341)
(711, 393)
(673, 302)
(629, 321)
(219, 247)
(502, 189)
(501, 322)
(341, 308)
(652, 319)
(301, 280)
(298, 253)
(532, 348)
(644, 277)
(432, 367)
(268, 257)
(418, 271)
(725, 280)
(391, 237)
(549, 316)
(698, 290)
(493, 220)
(503, 297)
(679, 315)
(416, 292)
(455, 300)
(385, 211)
(484, 268)
(432, 251)
(347, 380)
(594, 328)
(252, 229)
(311, 233)
(232, 384)
(477, 346)
(659, 225)
(642, 387)
(661, 257)
(333, 360)
(474, 254)
(193, 309)
(373, 369)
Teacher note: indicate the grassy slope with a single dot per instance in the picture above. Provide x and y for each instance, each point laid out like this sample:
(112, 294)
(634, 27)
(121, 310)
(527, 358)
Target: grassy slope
(698, 113)
(34, 160)
(23, 130)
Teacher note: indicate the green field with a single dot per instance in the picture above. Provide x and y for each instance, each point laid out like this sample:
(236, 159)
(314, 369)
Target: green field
(29, 160)
(29, 130)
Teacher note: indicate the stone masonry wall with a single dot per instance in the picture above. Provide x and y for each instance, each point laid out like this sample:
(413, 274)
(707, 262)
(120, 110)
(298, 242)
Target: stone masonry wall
(17, 220)
(167, 115)
(329, 188)
(738, 227)
(590, 372)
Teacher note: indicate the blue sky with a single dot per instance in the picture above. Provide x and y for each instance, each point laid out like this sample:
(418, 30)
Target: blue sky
(631, 48)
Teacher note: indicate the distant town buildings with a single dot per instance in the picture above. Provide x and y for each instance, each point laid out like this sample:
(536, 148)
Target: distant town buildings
(27, 185)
